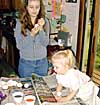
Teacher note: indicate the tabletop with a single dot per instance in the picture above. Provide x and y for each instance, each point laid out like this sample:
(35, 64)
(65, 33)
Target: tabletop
(43, 88)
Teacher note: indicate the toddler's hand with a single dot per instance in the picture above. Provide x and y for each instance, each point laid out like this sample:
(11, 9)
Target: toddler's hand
(58, 98)
(61, 99)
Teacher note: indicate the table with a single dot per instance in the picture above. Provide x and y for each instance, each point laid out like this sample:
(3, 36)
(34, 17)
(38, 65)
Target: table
(41, 87)
(10, 90)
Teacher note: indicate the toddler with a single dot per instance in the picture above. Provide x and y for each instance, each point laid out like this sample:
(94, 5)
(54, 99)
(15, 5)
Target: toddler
(79, 84)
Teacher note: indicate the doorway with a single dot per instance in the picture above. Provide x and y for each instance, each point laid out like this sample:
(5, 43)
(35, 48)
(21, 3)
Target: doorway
(93, 52)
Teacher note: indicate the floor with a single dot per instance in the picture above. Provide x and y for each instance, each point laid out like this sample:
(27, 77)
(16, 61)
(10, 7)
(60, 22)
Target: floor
(96, 77)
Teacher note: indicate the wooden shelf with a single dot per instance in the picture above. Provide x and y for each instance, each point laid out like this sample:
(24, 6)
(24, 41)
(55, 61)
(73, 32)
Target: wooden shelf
(12, 4)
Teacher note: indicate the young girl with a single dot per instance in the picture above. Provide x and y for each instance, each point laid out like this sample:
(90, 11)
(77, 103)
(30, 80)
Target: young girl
(32, 37)
(79, 83)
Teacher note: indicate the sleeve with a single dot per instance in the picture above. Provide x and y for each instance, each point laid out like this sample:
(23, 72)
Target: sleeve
(75, 84)
(69, 80)
(44, 35)
(59, 81)
(17, 34)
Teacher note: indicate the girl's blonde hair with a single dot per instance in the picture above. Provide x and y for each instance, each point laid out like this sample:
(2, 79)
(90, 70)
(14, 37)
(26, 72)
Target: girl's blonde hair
(65, 55)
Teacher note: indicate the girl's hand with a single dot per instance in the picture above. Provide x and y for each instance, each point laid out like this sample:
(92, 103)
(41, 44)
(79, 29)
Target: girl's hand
(38, 27)
(35, 30)
(41, 22)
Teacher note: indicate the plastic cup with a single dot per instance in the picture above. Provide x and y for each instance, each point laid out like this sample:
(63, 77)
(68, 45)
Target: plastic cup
(29, 99)
(18, 96)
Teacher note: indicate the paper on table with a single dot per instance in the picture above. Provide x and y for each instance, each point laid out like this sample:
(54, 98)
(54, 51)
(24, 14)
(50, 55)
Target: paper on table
(51, 81)
(52, 84)
(40, 88)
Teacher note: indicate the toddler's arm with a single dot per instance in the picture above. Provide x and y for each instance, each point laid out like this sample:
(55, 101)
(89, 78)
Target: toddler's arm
(67, 98)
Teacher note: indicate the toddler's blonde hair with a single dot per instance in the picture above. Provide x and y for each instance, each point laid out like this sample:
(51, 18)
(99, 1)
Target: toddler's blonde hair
(65, 55)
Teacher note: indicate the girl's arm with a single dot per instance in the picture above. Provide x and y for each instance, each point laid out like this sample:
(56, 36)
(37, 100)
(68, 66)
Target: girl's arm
(44, 35)
(67, 98)
(17, 34)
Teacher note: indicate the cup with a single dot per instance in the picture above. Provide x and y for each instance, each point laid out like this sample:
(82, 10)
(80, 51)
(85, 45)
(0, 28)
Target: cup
(29, 99)
(18, 96)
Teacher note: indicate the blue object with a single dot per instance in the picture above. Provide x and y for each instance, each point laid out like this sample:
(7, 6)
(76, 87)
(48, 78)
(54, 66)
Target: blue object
(63, 18)
(27, 67)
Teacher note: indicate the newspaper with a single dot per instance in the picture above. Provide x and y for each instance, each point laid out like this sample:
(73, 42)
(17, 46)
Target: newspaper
(42, 90)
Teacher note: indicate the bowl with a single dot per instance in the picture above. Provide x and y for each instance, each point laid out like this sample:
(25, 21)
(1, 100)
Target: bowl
(18, 96)
(29, 99)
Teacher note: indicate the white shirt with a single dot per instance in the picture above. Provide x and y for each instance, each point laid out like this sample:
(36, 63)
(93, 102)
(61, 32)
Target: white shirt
(73, 79)
(76, 80)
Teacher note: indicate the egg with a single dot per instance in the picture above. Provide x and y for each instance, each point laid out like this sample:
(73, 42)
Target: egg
(36, 25)
(10, 83)
(5, 86)
(19, 85)
(59, 93)
(26, 85)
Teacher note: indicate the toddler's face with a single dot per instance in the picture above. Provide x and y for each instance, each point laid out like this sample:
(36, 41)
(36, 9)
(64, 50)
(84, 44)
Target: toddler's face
(59, 68)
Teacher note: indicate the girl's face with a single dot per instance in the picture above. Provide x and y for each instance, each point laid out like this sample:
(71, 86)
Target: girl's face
(33, 7)
(59, 67)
